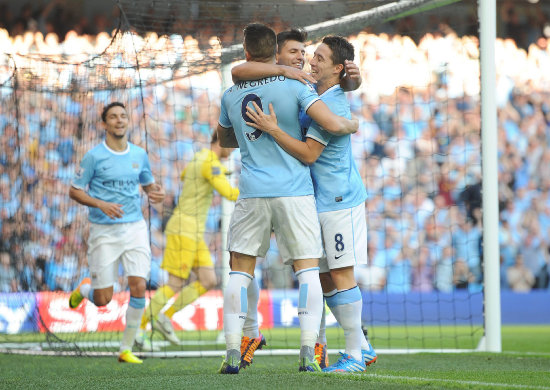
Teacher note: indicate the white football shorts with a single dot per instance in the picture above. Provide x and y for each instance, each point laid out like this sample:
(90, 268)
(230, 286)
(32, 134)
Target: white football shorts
(344, 238)
(293, 219)
(128, 242)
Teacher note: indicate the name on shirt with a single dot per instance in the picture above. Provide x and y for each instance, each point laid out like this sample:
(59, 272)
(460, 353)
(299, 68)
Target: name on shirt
(255, 83)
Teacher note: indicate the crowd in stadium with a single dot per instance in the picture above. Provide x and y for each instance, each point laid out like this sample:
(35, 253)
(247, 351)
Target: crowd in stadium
(418, 149)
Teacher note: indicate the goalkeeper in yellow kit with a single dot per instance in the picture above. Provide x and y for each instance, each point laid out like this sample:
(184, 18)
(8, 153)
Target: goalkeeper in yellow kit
(185, 249)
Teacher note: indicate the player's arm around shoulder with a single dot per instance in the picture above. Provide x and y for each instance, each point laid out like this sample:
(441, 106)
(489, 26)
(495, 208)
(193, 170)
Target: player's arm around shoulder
(252, 70)
(331, 122)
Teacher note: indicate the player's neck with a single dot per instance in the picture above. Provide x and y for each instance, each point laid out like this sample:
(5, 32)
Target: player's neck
(323, 86)
(116, 144)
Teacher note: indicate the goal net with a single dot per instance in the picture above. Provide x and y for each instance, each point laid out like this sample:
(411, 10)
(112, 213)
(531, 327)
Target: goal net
(417, 148)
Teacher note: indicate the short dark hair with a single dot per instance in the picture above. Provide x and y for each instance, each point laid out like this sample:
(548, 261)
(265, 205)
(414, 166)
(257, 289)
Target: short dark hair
(259, 41)
(108, 107)
(295, 34)
(341, 49)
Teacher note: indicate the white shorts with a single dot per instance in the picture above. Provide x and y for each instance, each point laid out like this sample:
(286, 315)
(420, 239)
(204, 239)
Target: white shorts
(128, 242)
(293, 219)
(344, 238)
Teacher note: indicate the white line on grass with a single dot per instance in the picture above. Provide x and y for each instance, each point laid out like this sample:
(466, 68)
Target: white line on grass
(462, 382)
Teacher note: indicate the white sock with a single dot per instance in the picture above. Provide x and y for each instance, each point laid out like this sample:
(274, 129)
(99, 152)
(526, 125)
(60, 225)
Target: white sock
(310, 306)
(87, 292)
(365, 342)
(250, 328)
(346, 306)
(322, 339)
(235, 307)
(136, 306)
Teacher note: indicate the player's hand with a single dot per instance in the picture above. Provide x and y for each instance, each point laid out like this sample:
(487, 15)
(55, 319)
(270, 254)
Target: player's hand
(156, 193)
(297, 74)
(352, 70)
(260, 120)
(112, 210)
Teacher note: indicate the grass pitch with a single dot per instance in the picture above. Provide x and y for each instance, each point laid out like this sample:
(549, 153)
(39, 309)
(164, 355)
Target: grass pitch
(523, 364)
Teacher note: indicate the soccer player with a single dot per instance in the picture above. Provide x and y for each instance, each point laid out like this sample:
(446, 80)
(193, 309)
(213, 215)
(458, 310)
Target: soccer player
(340, 197)
(186, 250)
(291, 55)
(291, 60)
(276, 193)
(108, 183)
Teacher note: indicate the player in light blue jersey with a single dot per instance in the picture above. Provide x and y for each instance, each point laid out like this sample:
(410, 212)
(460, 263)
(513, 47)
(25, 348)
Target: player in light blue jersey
(108, 182)
(290, 62)
(340, 196)
(276, 193)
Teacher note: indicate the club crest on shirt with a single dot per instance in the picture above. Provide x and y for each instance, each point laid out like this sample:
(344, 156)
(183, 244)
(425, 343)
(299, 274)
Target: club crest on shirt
(135, 165)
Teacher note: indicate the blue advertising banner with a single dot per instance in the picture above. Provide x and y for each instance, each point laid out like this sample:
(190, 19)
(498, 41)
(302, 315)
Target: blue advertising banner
(18, 312)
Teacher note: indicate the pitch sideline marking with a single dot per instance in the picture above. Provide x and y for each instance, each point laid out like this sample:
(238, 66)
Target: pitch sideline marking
(462, 382)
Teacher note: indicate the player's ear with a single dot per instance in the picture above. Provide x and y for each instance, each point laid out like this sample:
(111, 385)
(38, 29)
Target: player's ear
(338, 68)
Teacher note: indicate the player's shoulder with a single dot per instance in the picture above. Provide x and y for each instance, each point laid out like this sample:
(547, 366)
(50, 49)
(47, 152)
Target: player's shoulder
(299, 85)
(135, 149)
(96, 151)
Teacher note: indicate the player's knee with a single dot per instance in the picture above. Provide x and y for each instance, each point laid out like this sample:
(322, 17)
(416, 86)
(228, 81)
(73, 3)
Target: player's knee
(102, 300)
(137, 286)
(326, 282)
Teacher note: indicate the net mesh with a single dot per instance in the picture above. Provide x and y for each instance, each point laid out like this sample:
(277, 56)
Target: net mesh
(417, 149)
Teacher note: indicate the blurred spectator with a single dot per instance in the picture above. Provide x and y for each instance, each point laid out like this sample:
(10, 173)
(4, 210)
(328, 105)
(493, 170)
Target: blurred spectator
(462, 276)
(8, 281)
(418, 146)
(443, 279)
(520, 278)
(422, 272)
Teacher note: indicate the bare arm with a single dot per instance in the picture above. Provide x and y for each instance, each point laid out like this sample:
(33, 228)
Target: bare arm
(227, 137)
(252, 70)
(307, 152)
(112, 210)
(331, 122)
(352, 80)
(156, 195)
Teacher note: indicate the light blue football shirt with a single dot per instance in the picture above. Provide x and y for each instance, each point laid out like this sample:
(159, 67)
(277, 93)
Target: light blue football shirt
(114, 177)
(267, 170)
(336, 179)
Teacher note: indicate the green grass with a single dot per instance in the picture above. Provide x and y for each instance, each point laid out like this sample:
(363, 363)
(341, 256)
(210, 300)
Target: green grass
(524, 363)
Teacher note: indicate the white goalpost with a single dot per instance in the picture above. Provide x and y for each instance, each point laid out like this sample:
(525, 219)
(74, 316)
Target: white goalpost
(491, 341)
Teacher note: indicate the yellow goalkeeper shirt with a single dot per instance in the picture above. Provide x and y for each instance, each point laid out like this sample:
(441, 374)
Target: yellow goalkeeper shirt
(201, 177)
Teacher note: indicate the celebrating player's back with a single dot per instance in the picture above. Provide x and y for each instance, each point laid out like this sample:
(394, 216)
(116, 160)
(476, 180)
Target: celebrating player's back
(276, 193)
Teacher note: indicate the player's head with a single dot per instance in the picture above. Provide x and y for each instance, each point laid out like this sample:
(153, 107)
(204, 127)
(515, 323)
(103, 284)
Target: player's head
(260, 42)
(115, 119)
(291, 49)
(328, 61)
(217, 148)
